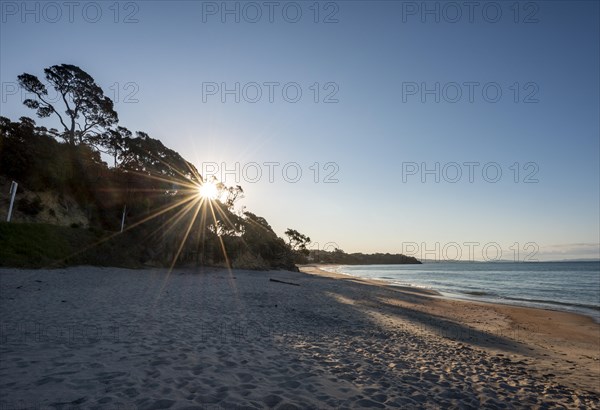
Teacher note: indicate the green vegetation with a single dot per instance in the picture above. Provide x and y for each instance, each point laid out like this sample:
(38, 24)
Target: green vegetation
(168, 219)
(298, 243)
(340, 257)
(43, 245)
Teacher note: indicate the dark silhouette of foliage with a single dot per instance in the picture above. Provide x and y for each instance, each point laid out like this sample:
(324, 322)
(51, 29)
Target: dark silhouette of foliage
(151, 180)
(112, 141)
(149, 156)
(338, 256)
(262, 240)
(297, 240)
(86, 112)
(167, 221)
(298, 243)
(30, 207)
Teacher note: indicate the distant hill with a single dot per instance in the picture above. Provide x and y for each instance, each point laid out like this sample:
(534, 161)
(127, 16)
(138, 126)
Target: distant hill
(342, 258)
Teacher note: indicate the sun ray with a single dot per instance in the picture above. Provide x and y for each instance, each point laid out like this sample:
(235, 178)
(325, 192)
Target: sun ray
(115, 234)
(187, 232)
(196, 200)
(227, 263)
(208, 190)
(174, 220)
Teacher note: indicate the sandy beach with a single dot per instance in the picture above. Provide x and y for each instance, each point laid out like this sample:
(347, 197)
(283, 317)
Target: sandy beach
(109, 338)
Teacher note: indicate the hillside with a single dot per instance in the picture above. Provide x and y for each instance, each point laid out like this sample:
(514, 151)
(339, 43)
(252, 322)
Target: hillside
(37, 245)
(41, 207)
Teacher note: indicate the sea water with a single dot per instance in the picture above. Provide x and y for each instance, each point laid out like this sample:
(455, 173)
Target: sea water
(567, 286)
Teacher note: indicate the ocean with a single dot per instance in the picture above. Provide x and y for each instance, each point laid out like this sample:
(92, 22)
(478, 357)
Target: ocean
(566, 286)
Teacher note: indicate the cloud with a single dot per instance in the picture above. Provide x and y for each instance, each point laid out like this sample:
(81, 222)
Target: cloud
(570, 251)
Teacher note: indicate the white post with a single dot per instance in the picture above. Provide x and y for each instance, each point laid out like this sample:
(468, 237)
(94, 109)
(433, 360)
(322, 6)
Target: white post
(123, 218)
(13, 192)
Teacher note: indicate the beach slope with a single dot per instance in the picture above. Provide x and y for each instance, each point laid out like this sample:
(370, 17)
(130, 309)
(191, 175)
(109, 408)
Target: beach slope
(150, 339)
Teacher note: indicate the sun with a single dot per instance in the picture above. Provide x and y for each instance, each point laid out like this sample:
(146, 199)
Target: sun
(208, 190)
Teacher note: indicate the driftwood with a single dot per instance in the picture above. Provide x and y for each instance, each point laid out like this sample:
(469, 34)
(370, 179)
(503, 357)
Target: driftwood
(281, 281)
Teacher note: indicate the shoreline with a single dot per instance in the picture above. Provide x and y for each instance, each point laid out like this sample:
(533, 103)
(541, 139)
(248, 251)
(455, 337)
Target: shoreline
(217, 338)
(586, 311)
(559, 340)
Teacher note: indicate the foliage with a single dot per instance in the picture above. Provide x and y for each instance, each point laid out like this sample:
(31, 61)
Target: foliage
(298, 243)
(42, 245)
(149, 156)
(167, 221)
(87, 111)
(297, 240)
(157, 186)
(338, 256)
(30, 207)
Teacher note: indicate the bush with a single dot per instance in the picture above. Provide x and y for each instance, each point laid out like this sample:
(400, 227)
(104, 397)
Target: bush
(249, 261)
(28, 245)
(31, 208)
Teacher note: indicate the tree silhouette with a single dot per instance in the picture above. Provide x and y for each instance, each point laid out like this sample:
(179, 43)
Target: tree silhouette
(87, 111)
(169, 221)
(112, 141)
(146, 155)
(298, 241)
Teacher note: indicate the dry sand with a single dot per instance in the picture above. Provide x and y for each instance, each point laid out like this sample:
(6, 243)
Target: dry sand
(108, 338)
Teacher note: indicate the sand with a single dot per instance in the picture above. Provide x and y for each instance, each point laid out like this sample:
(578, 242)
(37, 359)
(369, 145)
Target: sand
(108, 338)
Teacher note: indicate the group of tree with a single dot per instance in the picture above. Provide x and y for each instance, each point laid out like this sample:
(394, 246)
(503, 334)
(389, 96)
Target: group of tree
(157, 185)
(339, 257)
(167, 221)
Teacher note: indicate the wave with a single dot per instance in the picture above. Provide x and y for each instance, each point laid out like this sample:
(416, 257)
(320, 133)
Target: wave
(554, 302)
(558, 286)
(477, 293)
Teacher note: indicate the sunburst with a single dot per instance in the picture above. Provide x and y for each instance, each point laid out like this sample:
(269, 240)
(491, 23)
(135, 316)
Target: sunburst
(194, 200)
(208, 190)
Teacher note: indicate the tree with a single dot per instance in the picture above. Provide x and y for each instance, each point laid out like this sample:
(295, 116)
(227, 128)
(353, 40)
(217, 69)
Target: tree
(232, 195)
(260, 239)
(298, 241)
(87, 111)
(113, 141)
(32, 156)
(146, 155)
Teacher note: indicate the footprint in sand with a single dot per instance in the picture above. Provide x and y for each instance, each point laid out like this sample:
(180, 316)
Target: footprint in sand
(290, 384)
(245, 377)
(158, 404)
(369, 404)
(160, 362)
(153, 373)
(272, 400)
(131, 392)
(46, 380)
(247, 386)
(205, 399)
(198, 369)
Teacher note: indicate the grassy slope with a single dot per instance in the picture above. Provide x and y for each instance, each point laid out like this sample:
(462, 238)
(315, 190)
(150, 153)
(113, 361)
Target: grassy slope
(41, 245)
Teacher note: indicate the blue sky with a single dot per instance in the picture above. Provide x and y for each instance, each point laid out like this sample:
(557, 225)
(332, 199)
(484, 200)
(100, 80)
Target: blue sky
(375, 60)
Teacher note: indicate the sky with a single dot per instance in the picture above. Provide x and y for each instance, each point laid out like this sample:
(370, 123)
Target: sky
(443, 130)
